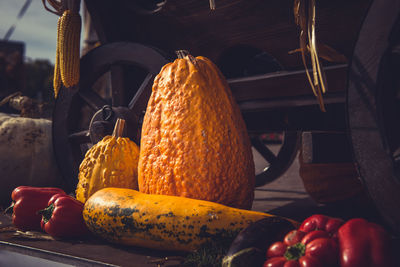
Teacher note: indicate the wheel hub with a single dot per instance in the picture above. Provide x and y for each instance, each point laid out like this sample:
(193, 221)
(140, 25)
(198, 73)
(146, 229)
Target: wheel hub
(103, 121)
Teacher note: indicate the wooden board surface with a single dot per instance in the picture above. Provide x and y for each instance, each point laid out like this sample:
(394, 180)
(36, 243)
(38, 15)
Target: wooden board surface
(285, 197)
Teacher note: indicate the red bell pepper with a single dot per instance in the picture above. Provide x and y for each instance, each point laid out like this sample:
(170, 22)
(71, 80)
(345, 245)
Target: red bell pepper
(321, 222)
(316, 249)
(63, 217)
(364, 244)
(27, 201)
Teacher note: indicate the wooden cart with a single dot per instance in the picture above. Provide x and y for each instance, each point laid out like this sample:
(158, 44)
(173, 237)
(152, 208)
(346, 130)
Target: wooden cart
(250, 42)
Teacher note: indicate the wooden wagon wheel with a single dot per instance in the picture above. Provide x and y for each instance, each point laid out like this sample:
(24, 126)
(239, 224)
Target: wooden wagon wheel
(277, 163)
(244, 61)
(373, 107)
(85, 114)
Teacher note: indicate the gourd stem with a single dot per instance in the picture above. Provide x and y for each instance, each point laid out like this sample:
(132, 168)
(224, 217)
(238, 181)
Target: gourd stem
(184, 53)
(119, 128)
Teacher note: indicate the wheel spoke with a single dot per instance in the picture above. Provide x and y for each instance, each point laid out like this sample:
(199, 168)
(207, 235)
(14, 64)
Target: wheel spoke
(82, 137)
(396, 154)
(278, 163)
(93, 100)
(105, 72)
(263, 150)
(117, 85)
(139, 101)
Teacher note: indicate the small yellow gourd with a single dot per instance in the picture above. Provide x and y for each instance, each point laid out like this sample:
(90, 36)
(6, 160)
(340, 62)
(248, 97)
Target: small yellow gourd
(112, 162)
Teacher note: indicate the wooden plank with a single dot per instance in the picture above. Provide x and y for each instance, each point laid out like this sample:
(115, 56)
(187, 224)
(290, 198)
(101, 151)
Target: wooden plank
(266, 25)
(285, 84)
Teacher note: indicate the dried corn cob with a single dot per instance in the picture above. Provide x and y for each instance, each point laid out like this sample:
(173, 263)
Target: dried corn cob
(69, 44)
(57, 74)
(68, 48)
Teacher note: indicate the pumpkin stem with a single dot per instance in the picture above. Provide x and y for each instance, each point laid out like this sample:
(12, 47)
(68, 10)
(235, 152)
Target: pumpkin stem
(119, 128)
(184, 53)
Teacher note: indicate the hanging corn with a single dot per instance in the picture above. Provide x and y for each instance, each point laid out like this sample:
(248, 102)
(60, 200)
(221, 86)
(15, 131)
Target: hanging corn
(66, 67)
(57, 75)
(68, 47)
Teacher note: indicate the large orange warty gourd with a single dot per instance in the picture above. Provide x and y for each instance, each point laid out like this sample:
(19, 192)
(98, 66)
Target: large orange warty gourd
(194, 141)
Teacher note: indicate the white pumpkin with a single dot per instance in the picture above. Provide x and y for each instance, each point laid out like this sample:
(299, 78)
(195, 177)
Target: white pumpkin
(26, 154)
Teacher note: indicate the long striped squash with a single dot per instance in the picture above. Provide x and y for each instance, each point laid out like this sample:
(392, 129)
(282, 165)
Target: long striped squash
(126, 216)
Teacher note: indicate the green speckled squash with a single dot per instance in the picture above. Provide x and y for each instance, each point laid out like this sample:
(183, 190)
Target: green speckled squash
(163, 222)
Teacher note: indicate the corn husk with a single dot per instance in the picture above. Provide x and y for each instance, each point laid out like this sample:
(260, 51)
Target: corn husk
(305, 18)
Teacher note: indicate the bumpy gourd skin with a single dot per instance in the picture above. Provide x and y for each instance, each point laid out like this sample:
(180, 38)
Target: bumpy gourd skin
(194, 141)
(112, 162)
